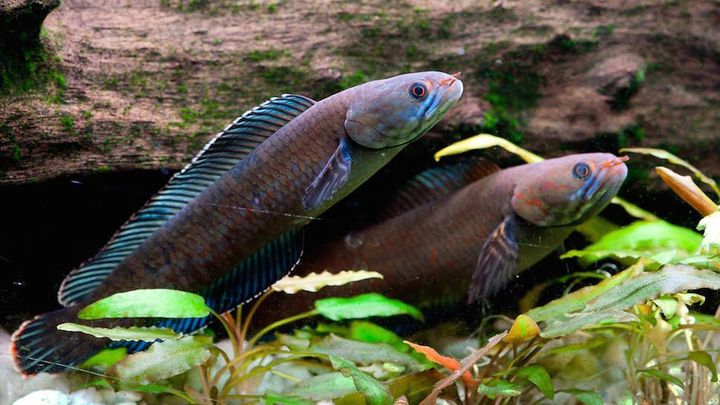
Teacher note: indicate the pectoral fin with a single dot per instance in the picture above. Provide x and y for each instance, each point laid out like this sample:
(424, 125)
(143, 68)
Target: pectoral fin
(331, 178)
(497, 263)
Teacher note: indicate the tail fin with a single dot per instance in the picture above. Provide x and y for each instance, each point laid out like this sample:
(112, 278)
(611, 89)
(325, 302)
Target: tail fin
(38, 346)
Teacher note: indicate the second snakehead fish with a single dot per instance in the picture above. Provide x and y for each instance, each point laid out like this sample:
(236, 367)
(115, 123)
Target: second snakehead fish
(461, 232)
(230, 224)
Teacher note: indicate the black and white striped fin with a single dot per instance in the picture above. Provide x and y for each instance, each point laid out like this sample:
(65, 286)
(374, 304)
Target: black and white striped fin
(217, 157)
(247, 281)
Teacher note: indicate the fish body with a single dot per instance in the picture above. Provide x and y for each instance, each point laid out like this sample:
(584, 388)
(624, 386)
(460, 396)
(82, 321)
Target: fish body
(231, 223)
(467, 241)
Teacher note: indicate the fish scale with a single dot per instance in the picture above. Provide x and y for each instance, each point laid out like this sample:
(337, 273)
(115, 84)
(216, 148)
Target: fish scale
(230, 224)
(430, 252)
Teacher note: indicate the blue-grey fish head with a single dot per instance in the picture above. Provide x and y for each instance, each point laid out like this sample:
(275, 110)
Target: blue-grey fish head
(568, 190)
(398, 110)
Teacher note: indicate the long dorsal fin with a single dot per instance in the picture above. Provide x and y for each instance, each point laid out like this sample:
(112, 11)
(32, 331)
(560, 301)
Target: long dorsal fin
(217, 157)
(435, 183)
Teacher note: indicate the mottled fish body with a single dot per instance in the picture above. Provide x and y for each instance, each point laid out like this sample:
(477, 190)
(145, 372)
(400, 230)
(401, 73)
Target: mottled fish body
(463, 232)
(230, 224)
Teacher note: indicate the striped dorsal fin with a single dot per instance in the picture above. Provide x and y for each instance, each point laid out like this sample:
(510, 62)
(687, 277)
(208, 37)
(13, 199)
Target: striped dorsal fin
(435, 183)
(217, 157)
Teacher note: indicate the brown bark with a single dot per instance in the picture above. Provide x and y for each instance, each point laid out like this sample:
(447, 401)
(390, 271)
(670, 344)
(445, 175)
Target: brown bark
(146, 83)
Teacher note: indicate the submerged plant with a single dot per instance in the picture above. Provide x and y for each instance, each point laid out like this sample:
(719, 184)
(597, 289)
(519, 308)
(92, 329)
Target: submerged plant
(633, 337)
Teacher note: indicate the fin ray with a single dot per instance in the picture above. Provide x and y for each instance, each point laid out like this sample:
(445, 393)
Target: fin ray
(216, 158)
(497, 262)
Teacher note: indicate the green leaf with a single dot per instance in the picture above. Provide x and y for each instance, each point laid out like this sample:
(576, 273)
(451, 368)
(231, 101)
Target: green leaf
(641, 239)
(364, 306)
(369, 332)
(500, 388)
(150, 334)
(106, 358)
(653, 372)
(163, 360)
(154, 303)
(668, 305)
(704, 358)
(325, 386)
(314, 281)
(585, 396)
(375, 393)
(539, 376)
(277, 399)
(578, 299)
(365, 353)
(574, 322)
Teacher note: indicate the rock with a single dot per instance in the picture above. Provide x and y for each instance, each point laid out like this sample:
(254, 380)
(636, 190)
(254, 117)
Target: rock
(44, 397)
(21, 20)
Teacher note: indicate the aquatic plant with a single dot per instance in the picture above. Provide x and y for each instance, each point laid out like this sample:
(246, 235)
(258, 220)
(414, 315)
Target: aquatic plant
(633, 337)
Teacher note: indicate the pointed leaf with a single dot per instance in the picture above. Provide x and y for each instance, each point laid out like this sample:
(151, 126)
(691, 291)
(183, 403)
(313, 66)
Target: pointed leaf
(314, 282)
(539, 377)
(485, 141)
(375, 393)
(445, 361)
(704, 358)
(325, 386)
(369, 332)
(570, 324)
(523, 329)
(686, 189)
(365, 353)
(500, 388)
(151, 303)
(149, 334)
(653, 372)
(163, 360)
(364, 306)
(105, 358)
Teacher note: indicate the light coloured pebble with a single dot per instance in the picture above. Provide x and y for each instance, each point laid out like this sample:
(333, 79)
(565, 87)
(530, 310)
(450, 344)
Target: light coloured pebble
(44, 397)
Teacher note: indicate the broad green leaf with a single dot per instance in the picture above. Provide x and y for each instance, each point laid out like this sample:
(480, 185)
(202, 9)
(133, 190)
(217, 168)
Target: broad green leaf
(704, 358)
(325, 386)
(106, 358)
(711, 241)
(277, 399)
(585, 396)
(660, 375)
(163, 360)
(523, 329)
(364, 306)
(500, 388)
(663, 154)
(375, 392)
(153, 303)
(577, 300)
(485, 141)
(149, 334)
(369, 332)
(365, 353)
(539, 376)
(640, 239)
(314, 282)
(574, 322)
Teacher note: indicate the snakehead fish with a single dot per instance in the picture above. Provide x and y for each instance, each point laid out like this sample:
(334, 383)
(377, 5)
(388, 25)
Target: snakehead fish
(461, 232)
(230, 224)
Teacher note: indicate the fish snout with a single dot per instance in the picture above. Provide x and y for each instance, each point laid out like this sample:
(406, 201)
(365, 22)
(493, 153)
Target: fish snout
(453, 88)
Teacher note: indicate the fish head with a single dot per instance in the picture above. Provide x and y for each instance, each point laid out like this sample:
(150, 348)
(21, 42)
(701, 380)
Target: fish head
(395, 111)
(568, 190)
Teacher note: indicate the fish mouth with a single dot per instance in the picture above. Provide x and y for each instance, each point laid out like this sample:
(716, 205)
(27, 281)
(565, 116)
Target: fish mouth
(609, 178)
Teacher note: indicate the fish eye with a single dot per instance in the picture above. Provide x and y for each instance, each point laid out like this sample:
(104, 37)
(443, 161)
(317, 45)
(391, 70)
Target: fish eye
(581, 171)
(418, 91)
